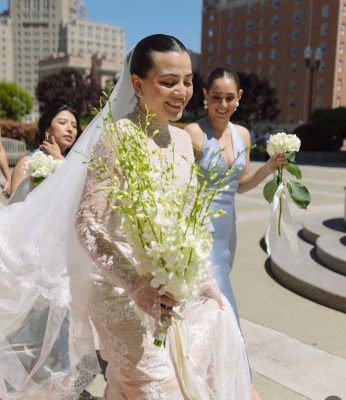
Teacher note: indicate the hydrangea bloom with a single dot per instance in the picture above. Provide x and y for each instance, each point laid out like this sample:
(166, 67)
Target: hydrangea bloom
(282, 143)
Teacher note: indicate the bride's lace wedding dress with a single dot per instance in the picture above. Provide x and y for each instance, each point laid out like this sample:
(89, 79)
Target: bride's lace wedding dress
(136, 368)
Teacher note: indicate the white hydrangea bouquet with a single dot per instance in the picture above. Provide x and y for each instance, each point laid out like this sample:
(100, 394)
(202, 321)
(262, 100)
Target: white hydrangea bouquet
(165, 223)
(274, 190)
(40, 166)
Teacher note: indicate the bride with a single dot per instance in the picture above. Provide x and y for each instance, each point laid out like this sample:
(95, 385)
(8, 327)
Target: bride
(76, 263)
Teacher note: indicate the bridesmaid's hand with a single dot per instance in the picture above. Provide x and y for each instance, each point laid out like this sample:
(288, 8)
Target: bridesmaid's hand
(276, 161)
(51, 148)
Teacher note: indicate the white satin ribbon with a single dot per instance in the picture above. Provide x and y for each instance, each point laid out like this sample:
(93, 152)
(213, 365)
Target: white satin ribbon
(286, 243)
(194, 388)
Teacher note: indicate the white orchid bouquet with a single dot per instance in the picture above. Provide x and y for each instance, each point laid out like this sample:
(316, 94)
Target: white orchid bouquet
(40, 166)
(166, 223)
(287, 145)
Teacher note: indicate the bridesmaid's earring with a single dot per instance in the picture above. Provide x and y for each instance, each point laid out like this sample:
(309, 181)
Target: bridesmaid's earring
(205, 104)
(46, 137)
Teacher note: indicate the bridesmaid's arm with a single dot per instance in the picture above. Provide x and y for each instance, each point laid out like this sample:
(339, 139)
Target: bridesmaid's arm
(197, 137)
(248, 181)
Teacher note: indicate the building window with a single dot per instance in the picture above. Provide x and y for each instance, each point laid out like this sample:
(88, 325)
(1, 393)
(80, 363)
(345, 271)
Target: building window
(297, 16)
(341, 48)
(293, 68)
(295, 34)
(276, 4)
(229, 60)
(211, 17)
(323, 47)
(340, 66)
(260, 39)
(250, 9)
(230, 28)
(319, 102)
(297, 1)
(210, 47)
(210, 33)
(338, 85)
(248, 41)
(230, 44)
(325, 11)
(324, 29)
(337, 102)
(272, 70)
(273, 55)
(294, 52)
(261, 23)
(292, 102)
(274, 37)
(343, 29)
(231, 12)
(247, 58)
(210, 61)
(344, 10)
(275, 20)
(260, 56)
(292, 86)
(320, 84)
(262, 7)
(249, 25)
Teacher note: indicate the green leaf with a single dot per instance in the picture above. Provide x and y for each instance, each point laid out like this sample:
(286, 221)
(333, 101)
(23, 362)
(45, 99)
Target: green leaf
(269, 190)
(299, 194)
(291, 156)
(293, 169)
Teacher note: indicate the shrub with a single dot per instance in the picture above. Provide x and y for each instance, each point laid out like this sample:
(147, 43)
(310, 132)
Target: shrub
(318, 138)
(20, 131)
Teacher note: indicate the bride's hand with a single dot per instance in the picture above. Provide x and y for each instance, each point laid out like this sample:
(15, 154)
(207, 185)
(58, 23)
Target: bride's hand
(149, 299)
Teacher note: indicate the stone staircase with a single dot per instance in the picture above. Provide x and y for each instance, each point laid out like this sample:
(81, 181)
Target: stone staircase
(319, 273)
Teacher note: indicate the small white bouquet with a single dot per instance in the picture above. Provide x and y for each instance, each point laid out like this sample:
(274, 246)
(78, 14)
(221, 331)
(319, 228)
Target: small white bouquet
(40, 166)
(165, 223)
(288, 145)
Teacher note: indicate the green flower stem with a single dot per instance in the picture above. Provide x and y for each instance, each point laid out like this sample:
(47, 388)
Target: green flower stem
(280, 203)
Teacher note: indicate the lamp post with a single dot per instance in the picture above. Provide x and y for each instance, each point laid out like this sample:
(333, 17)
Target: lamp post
(312, 65)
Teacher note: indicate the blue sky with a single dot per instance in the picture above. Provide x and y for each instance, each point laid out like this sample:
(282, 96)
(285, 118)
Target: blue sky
(139, 18)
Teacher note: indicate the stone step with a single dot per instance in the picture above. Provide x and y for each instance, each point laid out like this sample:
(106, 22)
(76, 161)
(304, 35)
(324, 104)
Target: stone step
(329, 235)
(331, 250)
(314, 227)
(307, 276)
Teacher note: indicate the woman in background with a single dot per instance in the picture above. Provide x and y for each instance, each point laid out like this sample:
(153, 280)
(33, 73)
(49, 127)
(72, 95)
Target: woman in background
(58, 130)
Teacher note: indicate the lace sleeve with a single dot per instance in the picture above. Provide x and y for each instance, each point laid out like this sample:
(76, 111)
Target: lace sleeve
(98, 227)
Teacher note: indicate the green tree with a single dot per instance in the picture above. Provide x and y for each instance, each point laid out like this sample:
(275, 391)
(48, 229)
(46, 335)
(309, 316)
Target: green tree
(259, 101)
(15, 101)
(70, 86)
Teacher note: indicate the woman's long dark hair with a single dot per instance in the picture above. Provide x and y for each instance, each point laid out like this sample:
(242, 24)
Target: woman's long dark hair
(47, 117)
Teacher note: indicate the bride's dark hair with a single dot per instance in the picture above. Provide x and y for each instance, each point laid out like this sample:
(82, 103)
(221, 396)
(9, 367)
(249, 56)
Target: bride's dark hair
(142, 60)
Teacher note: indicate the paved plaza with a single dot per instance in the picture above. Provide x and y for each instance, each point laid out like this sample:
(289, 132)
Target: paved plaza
(297, 348)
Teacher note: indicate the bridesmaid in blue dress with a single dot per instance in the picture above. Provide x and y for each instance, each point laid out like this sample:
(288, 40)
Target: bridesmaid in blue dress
(222, 144)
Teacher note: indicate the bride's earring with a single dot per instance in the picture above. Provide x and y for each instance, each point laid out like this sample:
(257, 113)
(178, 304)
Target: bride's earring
(236, 105)
(205, 104)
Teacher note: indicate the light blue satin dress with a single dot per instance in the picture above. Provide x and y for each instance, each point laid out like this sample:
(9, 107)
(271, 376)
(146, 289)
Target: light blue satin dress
(224, 234)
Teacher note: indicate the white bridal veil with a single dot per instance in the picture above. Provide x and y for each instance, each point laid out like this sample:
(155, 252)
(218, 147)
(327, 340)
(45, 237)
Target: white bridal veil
(46, 343)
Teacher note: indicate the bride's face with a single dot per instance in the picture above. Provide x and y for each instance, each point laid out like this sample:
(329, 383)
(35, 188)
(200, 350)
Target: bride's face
(64, 129)
(167, 88)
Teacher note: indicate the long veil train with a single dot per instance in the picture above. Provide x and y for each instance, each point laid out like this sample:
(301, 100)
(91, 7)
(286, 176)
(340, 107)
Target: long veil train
(46, 341)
